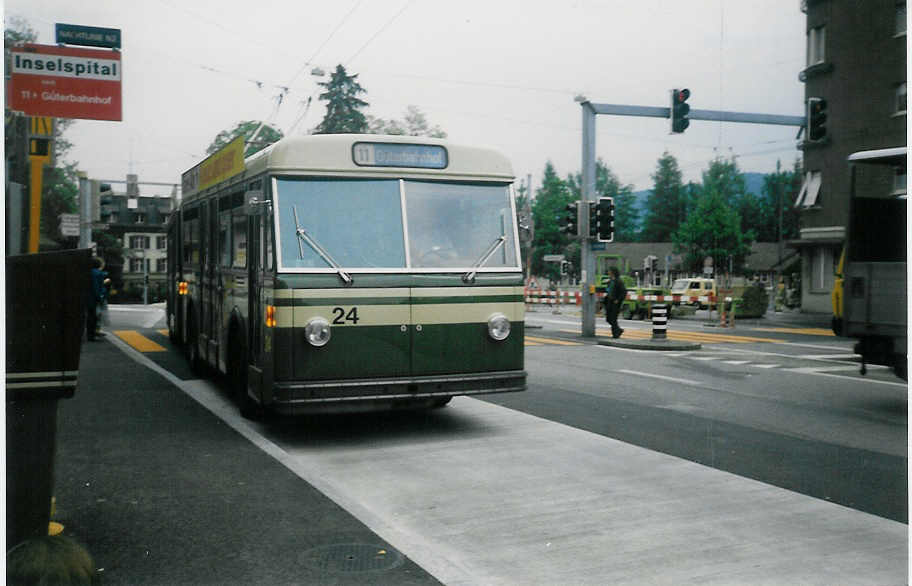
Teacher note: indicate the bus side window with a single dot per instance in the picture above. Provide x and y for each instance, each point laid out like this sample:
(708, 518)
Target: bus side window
(239, 236)
(225, 239)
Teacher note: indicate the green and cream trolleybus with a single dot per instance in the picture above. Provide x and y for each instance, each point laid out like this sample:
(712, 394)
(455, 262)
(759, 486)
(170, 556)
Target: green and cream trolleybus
(349, 272)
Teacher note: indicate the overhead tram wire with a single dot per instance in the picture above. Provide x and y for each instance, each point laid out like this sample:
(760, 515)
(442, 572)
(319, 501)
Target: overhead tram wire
(325, 42)
(380, 30)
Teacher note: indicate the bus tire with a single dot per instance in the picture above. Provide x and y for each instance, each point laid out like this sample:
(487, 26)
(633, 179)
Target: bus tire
(237, 373)
(441, 403)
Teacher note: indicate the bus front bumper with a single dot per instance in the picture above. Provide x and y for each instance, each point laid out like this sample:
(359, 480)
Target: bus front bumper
(370, 394)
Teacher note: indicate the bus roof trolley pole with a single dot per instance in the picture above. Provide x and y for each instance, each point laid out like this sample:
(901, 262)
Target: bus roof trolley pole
(590, 110)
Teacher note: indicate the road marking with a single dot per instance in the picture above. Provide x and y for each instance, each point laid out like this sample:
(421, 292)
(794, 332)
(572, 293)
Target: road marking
(164, 332)
(682, 336)
(665, 378)
(536, 340)
(806, 331)
(138, 341)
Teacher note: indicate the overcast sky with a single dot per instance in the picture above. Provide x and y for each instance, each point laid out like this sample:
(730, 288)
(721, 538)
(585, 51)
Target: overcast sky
(493, 72)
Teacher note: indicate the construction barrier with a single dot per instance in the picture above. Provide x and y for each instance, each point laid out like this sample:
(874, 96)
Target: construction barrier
(573, 297)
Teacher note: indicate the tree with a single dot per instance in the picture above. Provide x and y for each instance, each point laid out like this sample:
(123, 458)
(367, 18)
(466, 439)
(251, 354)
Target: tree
(257, 136)
(550, 201)
(414, 124)
(666, 206)
(343, 106)
(780, 190)
(712, 229)
(607, 184)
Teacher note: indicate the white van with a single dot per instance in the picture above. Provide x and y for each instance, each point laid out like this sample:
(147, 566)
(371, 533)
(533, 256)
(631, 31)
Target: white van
(695, 287)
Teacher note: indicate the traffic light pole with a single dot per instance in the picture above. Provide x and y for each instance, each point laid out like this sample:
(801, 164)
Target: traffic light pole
(588, 194)
(590, 111)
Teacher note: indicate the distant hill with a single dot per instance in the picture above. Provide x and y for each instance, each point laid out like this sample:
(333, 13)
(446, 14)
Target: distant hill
(753, 182)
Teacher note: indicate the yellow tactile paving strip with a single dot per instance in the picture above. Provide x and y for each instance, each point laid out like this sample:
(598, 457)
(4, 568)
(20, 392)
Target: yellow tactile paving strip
(138, 341)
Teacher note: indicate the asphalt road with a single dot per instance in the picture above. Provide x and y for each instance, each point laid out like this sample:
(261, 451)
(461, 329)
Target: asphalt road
(614, 467)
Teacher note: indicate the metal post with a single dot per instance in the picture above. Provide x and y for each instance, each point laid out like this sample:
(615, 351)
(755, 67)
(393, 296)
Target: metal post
(85, 211)
(659, 322)
(587, 194)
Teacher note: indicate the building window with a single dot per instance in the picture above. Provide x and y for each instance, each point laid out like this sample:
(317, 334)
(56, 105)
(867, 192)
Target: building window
(139, 218)
(136, 265)
(139, 242)
(112, 219)
(901, 98)
(822, 269)
(900, 18)
(810, 190)
(161, 242)
(816, 43)
(899, 181)
(161, 265)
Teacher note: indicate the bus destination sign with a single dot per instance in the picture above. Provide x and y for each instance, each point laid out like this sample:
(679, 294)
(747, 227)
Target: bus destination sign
(383, 154)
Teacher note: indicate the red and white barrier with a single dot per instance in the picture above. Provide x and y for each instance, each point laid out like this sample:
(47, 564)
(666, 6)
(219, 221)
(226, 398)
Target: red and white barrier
(573, 297)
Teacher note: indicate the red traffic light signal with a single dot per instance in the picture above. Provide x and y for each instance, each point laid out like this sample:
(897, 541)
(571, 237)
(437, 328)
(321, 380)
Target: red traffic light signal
(679, 110)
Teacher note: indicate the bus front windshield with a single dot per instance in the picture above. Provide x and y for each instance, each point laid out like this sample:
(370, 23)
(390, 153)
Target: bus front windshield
(360, 224)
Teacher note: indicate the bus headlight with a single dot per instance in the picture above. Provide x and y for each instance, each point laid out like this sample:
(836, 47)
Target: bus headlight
(498, 327)
(317, 332)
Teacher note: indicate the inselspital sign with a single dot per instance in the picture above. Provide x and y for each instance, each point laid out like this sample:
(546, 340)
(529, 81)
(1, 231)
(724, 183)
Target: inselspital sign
(66, 82)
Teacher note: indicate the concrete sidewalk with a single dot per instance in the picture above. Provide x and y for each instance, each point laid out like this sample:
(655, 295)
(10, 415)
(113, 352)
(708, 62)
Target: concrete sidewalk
(162, 492)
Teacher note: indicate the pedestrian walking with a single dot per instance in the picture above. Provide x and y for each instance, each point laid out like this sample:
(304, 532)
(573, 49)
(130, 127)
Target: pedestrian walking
(615, 294)
(96, 297)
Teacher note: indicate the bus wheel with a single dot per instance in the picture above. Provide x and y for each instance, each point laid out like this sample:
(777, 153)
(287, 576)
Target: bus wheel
(438, 403)
(238, 381)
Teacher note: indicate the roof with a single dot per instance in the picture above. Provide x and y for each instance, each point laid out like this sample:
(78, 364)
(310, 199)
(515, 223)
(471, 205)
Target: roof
(333, 154)
(891, 156)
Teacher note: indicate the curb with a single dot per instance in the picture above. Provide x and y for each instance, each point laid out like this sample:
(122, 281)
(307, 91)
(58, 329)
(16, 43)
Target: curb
(660, 345)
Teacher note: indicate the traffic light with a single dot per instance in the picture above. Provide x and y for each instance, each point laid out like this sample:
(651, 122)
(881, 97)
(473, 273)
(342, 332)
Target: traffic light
(565, 266)
(593, 219)
(816, 118)
(604, 219)
(570, 220)
(679, 110)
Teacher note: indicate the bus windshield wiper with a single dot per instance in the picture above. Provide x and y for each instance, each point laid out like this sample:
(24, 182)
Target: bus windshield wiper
(498, 242)
(303, 237)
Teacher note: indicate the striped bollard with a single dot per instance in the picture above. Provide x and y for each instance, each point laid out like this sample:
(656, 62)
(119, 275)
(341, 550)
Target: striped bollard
(659, 322)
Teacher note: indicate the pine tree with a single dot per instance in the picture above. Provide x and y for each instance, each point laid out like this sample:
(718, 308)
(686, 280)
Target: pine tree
(550, 202)
(666, 205)
(343, 106)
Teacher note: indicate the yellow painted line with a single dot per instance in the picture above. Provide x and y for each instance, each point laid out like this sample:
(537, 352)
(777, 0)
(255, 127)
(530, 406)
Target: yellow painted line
(552, 341)
(808, 331)
(163, 332)
(528, 343)
(138, 341)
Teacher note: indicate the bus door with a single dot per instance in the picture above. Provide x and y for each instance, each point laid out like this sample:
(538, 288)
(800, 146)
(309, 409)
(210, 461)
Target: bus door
(259, 279)
(223, 262)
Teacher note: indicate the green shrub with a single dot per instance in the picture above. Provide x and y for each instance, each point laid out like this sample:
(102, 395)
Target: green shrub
(754, 302)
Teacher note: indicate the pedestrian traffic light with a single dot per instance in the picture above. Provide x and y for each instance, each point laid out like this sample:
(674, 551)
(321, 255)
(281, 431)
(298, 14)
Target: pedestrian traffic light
(565, 265)
(679, 110)
(604, 219)
(570, 220)
(816, 118)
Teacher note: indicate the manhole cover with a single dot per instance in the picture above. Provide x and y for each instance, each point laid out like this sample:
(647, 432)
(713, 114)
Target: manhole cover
(352, 557)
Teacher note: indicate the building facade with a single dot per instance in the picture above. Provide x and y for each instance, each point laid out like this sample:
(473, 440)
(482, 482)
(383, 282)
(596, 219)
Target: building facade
(137, 223)
(856, 63)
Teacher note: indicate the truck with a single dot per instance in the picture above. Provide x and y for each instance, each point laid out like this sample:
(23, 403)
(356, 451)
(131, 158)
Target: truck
(871, 305)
